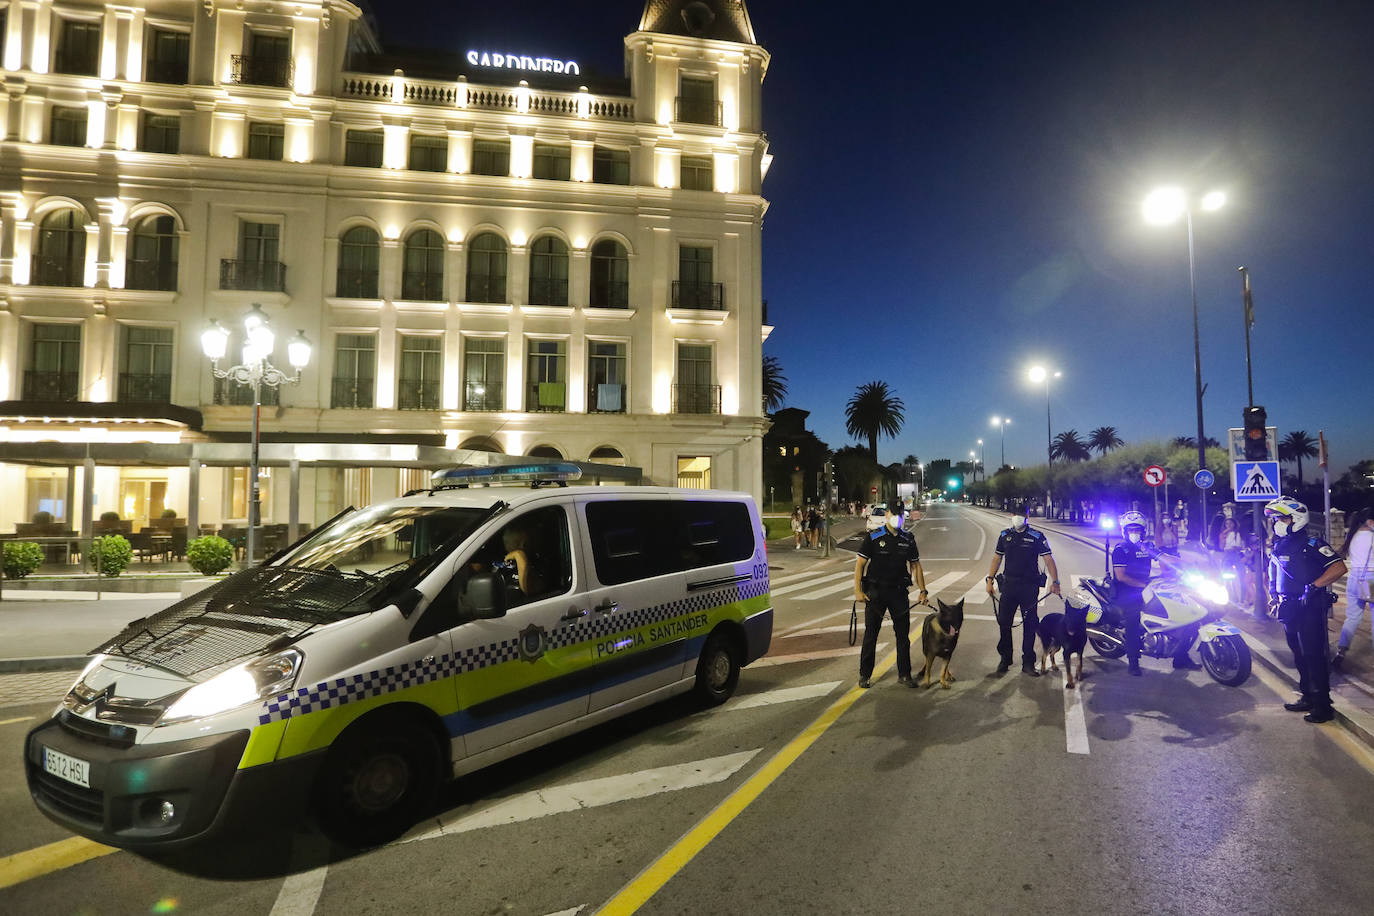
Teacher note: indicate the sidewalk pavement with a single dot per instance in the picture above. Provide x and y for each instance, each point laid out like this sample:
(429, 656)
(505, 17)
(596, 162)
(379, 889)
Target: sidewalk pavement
(1352, 688)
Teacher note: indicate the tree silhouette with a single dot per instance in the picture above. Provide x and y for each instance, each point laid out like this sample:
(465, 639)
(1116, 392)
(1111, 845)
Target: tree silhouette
(1067, 446)
(1191, 442)
(874, 410)
(774, 384)
(1296, 446)
(1103, 439)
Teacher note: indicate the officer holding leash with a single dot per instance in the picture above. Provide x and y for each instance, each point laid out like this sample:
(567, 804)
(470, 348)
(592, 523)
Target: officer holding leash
(888, 562)
(1301, 568)
(1022, 547)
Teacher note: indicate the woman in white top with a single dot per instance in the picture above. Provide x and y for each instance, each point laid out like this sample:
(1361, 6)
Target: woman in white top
(1357, 550)
(797, 527)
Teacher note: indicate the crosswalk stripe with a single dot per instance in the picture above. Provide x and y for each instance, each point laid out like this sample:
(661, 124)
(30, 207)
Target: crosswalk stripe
(976, 595)
(300, 893)
(1075, 722)
(832, 590)
(769, 661)
(947, 579)
(793, 577)
(810, 583)
(784, 695)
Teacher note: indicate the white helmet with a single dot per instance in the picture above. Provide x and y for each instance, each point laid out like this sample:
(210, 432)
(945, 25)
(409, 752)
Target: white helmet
(1132, 518)
(1288, 515)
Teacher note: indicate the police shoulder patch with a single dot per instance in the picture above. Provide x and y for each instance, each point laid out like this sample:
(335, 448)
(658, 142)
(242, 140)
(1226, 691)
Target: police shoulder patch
(1326, 551)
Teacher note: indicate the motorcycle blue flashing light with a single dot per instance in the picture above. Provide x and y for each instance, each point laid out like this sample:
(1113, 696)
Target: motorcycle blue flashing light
(505, 474)
(1107, 523)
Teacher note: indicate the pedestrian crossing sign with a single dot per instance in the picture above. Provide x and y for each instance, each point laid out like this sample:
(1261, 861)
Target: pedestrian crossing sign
(1256, 481)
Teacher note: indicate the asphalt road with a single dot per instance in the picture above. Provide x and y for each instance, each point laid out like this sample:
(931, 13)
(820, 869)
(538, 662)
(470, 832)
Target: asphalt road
(1164, 794)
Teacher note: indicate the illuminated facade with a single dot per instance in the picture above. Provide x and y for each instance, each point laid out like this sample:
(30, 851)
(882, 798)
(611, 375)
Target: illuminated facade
(514, 258)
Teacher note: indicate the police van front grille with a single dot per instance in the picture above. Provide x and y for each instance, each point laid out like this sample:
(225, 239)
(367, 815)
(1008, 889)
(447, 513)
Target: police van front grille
(112, 735)
(75, 801)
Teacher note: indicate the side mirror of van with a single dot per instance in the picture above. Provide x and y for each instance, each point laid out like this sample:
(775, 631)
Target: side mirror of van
(485, 596)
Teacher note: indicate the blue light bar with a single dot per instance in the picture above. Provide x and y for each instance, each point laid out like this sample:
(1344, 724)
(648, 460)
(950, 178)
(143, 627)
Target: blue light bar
(504, 474)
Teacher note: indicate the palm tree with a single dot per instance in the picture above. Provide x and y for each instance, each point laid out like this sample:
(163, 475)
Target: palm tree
(1103, 439)
(1296, 446)
(872, 411)
(1068, 447)
(1191, 442)
(774, 384)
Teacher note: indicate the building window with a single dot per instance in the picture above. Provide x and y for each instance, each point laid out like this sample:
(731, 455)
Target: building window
(257, 266)
(61, 257)
(610, 166)
(161, 133)
(606, 376)
(238, 495)
(169, 57)
(548, 272)
(694, 288)
(67, 127)
(694, 472)
(484, 373)
(78, 48)
(697, 102)
(610, 284)
(552, 162)
(265, 141)
(363, 148)
(359, 255)
(267, 63)
(491, 157)
(487, 269)
(421, 371)
(606, 454)
(697, 173)
(146, 374)
(54, 372)
(693, 391)
(546, 374)
(355, 362)
(152, 262)
(422, 277)
(428, 153)
(229, 392)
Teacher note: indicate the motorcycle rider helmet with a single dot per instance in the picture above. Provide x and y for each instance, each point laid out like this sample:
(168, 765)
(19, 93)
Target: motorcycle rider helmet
(1287, 514)
(1132, 519)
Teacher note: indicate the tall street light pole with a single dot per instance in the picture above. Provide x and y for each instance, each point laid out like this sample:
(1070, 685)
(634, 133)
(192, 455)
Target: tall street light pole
(983, 458)
(1162, 207)
(1002, 422)
(1039, 374)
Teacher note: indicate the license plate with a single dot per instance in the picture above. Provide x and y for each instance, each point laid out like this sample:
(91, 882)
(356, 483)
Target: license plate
(68, 768)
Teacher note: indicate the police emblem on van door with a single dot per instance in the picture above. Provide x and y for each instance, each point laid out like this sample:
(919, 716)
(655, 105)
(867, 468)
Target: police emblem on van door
(532, 642)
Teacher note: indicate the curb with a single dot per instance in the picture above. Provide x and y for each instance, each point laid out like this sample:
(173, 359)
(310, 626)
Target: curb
(50, 663)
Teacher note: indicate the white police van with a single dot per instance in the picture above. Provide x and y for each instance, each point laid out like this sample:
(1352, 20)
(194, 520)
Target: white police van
(399, 644)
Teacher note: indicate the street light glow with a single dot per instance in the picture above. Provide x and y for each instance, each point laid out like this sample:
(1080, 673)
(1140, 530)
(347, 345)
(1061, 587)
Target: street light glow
(1213, 200)
(1164, 205)
(1038, 374)
(298, 351)
(214, 340)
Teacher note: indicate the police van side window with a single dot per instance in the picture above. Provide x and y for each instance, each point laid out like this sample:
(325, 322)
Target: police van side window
(532, 554)
(630, 539)
(714, 532)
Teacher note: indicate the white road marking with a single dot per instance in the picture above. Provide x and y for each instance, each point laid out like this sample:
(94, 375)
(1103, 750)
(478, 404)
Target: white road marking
(811, 583)
(793, 631)
(832, 590)
(1075, 722)
(300, 893)
(591, 793)
(814, 631)
(572, 912)
(783, 580)
(770, 660)
(785, 695)
(947, 579)
(977, 595)
(12, 721)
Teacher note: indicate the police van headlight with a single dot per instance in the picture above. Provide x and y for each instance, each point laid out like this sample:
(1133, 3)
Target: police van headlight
(243, 684)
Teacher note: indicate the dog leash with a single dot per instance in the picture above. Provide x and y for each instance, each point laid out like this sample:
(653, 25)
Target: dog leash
(1020, 617)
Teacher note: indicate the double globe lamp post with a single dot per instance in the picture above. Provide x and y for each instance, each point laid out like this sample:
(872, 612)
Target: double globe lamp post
(255, 371)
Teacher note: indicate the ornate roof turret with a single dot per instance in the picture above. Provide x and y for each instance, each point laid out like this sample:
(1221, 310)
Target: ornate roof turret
(721, 20)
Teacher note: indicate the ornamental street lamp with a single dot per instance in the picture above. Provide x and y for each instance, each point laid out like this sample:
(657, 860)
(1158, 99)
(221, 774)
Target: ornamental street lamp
(255, 371)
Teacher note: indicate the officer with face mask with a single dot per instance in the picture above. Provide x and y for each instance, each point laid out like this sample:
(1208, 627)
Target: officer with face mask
(1021, 546)
(888, 562)
(1300, 569)
(1132, 561)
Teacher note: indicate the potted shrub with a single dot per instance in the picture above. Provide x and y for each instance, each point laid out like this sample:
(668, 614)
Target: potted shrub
(110, 554)
(169, 513)
(21, 558)
(109, 516)
(209, 555)
(42, 517)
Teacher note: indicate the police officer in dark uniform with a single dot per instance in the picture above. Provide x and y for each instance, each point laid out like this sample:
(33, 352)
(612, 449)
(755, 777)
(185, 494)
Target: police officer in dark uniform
(1021, 546)
(1132, 561)
(888, 562)
(1301, 568)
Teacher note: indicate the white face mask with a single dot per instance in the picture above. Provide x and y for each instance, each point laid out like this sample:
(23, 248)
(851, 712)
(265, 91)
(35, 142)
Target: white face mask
(1133, 537)
(893, 521)
(1018, 522)
(1281, 529)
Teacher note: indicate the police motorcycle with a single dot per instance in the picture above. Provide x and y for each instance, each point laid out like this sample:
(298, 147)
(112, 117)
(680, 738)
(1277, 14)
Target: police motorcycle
(1179, 605)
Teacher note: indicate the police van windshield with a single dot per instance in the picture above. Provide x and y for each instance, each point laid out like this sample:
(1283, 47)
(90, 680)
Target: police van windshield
(380, 542)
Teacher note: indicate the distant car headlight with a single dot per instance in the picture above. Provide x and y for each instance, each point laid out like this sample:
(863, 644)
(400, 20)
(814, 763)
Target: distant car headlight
(243, 684)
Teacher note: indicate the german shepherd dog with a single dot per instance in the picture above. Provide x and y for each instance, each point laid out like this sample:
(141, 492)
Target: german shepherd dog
(939, 636)
(1067, 632)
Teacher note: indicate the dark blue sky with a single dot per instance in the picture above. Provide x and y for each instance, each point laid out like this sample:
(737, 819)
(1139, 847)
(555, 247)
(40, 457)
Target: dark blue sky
(956, 190)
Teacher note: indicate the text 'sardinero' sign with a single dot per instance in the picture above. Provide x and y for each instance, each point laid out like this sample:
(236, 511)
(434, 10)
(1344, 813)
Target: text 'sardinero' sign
(523, 62)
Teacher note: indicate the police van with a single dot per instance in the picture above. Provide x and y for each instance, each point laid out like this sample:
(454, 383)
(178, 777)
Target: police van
(403, 643)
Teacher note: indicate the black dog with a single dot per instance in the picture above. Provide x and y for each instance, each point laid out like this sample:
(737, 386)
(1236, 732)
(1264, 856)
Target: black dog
(939, 636)
(1067, 632)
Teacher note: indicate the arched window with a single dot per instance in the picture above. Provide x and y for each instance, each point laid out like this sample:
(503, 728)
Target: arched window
(610, 275)
(549, 272)
(545, 451)
(480, 444)
(359, 251)
(152, 262)
(608, 455)
(487, 269)
(61, 257)
(422, 277)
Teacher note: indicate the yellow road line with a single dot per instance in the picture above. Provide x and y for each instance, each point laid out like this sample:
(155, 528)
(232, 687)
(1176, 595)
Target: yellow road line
(660, 872)
(12, 721)
(1347, 742)
(35, 863)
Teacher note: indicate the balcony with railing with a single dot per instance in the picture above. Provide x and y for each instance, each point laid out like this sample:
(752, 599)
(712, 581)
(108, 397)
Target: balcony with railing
(484, 398)
(351, 393)
(356, 284)
(229, 393)
(546, 397)
(689, 294)
(267, 276)
(41, 385)
(604, 397)
(422, 286)
(57, 271)
(135, 388)
(610, 294)
(156, 275)
(417, 394)
(447, 94)
(697, 111)
(696, 399)
(249, 70)
(548, 291)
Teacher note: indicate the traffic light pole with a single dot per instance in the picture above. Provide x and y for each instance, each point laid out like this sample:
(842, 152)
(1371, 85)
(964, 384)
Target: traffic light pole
(825, 518)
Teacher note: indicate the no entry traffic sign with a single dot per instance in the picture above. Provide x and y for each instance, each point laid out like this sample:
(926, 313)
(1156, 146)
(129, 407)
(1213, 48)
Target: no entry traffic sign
(1154, 475)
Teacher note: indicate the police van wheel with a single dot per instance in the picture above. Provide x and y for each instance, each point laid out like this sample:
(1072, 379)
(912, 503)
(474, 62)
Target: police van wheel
(377, 783)
(717, 670)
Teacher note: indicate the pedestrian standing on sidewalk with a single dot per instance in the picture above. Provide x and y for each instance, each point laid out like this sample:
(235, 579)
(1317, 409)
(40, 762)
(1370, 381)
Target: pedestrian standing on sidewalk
(887, 565)
(1168, 536)
(1021, 546)
(1302, 567)
(797, 527)
(813, 524)
(1358, 551)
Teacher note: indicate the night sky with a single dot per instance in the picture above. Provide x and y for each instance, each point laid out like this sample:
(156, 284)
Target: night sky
(956, 193)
